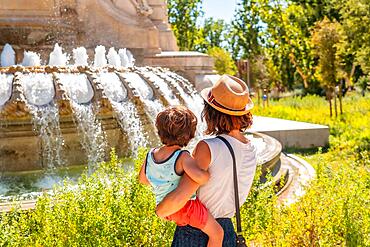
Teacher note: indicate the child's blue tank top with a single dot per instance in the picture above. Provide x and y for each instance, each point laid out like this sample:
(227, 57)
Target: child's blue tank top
(162, 175)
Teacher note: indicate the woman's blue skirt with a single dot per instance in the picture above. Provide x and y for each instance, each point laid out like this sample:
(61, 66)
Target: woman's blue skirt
(188, 236)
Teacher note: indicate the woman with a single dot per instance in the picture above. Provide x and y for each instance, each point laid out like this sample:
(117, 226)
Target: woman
(226, 112)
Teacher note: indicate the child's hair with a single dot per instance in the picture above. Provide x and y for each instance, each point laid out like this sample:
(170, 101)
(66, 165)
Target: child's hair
(221, 123)
(176, 125)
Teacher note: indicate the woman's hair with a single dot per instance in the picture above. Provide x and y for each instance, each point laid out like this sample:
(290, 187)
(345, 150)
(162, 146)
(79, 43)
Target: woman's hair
(221, 123)
(176, 125)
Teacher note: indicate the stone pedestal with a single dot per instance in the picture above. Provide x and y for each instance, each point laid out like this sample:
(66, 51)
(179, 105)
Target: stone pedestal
(194, 66)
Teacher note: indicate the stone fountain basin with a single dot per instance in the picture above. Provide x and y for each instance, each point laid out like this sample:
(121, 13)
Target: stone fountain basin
(28, 184)
(21, 149)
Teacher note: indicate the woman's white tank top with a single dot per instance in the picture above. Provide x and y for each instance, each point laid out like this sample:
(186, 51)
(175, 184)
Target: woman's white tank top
(218, 193)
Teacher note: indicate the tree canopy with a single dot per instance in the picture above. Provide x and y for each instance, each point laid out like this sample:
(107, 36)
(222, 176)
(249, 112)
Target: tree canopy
(281, 35)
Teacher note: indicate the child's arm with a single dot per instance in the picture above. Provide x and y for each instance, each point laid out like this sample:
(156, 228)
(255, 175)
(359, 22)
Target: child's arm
(142, 177)
(192, 169)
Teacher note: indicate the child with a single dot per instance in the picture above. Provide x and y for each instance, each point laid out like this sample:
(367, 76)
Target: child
(165, 165)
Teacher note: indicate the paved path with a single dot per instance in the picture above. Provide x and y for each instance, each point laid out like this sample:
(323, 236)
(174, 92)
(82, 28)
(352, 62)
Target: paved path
(292, 133)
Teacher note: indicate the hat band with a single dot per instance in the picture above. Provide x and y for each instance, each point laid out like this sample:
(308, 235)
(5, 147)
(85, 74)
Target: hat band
(211, 99)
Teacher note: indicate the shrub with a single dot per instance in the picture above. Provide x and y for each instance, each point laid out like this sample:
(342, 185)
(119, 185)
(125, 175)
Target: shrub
(224, 64)
(107, 208)
(110, 208)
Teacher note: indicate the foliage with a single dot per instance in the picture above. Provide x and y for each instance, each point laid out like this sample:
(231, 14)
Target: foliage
(223, 61)
(288, 41)
(245, 31)
(281, 32)
(325, 38)
(183, 16)
(213, 34)
(355, 18)
(335, 211)
(108, 208)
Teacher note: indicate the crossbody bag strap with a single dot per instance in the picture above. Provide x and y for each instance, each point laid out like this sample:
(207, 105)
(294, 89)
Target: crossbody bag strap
(236, 190)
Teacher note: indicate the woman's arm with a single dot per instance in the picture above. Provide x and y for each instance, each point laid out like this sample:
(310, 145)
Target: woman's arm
(177, 199)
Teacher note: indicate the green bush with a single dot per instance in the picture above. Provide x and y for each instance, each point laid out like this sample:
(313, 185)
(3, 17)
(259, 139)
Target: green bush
(335, 211)
(110, 208)
(107, 208)
(224, 64)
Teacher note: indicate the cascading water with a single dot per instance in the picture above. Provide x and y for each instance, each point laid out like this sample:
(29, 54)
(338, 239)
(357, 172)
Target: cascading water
(145, 92)
(81, 93)
(39, 93)
(125, 110)
(69, 97)
(5, 88)
(191, 98)
(162, 86)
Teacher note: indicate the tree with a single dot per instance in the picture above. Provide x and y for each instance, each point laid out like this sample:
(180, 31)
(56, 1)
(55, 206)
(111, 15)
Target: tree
(287, 39)
(325, 38)
(214, 34)
(183, 16)
(245, 31)
(355, 17)
(224, 64)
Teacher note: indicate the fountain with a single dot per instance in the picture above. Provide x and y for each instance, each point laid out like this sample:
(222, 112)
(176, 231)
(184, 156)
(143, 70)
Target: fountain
(56, 117)
(61, 115)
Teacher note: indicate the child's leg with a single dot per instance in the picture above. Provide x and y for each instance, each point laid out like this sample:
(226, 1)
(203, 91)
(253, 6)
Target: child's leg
(214, 232)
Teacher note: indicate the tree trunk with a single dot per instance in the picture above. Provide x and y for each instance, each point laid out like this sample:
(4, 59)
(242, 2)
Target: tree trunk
(335, 104)
(340, 100)
(299, 70)
(328, 97)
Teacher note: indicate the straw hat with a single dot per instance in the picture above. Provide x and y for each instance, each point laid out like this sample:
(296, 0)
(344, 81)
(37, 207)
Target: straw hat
(229, 95)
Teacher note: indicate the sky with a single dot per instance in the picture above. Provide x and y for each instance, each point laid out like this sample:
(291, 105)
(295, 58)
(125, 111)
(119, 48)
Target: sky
(219, 9)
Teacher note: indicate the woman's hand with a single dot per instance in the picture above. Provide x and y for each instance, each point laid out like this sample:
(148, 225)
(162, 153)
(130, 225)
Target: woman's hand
(177, 199)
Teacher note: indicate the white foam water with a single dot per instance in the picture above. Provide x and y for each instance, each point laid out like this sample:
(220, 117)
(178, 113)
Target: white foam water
(113, 57)
(162, 85)
(192, 99)
(125, 111)
(45, 121)
(129, 120)
(145, 92)
(78, 87)
(80, 56)
(6, 81)
(130, 58)
(38, 88)
(31, 59)
(7, 56)
(89, 128)
(123, 56)
(57, 57)
(92, 136)
(99, 58)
